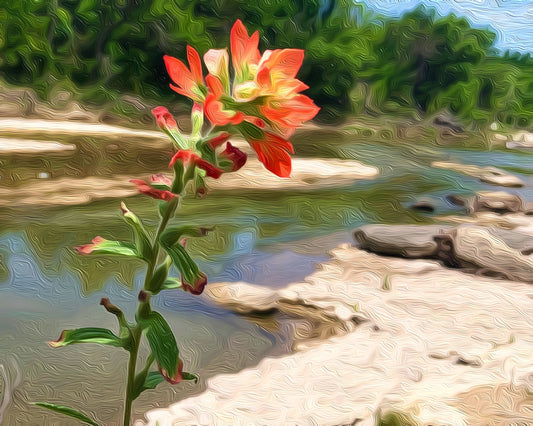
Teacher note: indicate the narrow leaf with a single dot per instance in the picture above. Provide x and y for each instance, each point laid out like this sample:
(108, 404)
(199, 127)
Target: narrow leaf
(142, 240)
(163, 346)
(189, 376)
(159, 276)
(150, 382)
(100, 245)
(171, 284)
(66, 411)
(102, 336)
(188, 269)
(173, 234)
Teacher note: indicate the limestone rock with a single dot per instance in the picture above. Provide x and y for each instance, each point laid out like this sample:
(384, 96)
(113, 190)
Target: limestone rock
(400, 240)
(435, 342)
(495, 201)
(489, 174)
(259, 298)
(478, 246)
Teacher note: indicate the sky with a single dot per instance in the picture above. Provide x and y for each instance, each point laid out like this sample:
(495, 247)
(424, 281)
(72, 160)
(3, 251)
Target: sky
(512, 20)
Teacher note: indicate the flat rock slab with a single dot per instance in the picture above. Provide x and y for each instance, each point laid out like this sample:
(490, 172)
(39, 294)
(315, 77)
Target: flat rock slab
(411, 241)
(493, 251)
(27, 126)
(434, 344)
(66, 191)
(488, 250)
(495, 201)
(307, 173)
(489, 174)
(11, 145)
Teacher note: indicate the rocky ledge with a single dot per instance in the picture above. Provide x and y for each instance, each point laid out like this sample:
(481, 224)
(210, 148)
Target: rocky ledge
(416, 329)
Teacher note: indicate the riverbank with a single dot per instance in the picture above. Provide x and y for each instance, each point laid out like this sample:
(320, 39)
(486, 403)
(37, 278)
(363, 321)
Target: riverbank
(361, 328)
(386, 334)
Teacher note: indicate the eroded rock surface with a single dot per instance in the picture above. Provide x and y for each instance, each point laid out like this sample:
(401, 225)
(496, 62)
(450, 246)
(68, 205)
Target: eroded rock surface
(426, 343)
(400, 240)
(491, 175)
(494, 201)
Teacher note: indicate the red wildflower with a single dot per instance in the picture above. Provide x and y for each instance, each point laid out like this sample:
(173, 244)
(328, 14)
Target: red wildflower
(164, 119)
(89, 248)
(147, 189)
(189, 158)
(188, 82)
(273, 151)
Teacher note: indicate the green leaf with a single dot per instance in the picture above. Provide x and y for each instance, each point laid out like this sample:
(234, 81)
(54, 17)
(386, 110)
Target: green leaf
(67, 411)
(102, 336)
(159, 276)
(188, 269)
(110, 247)
(143, 244)
(178, 184)
(171, 284)
(189, 376)
(125, 328)
(173, 234)
(150, 382)
(163, 345)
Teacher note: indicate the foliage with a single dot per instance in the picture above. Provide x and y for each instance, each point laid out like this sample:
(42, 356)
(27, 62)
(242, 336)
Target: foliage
(420, 64)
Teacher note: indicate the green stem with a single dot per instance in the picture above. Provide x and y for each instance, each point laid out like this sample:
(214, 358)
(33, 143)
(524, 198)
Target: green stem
(136, 334)
(137, 330)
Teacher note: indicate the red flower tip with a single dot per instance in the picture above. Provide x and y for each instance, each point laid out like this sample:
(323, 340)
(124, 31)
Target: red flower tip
(218, 140)
(189, 158)
(161, 179)
(146, 189)
(235, 155)
(197, 287)
(89, 248)
(164, 119)
(57, 343)
(174, 380)
(273, 151)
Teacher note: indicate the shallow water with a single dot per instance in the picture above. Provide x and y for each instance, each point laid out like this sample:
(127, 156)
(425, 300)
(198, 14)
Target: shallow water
(264, 237)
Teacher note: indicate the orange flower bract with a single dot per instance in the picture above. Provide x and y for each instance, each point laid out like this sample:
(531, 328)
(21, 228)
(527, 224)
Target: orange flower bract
(263, 102)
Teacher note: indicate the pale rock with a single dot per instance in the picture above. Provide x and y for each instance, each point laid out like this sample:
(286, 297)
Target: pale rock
(491, 175)
(427, 346)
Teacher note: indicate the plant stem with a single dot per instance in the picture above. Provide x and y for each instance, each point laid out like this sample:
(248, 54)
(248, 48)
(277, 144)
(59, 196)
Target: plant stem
(137, 330)
(136, 334)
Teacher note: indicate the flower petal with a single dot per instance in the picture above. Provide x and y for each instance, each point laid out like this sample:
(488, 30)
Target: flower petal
(186, 81)
(217, 115)
(195, 63)
(284, 63)
(289, 112)
(216, 61)
(218, 140)
(273, 152)
(189, 158)
(146, 189)
(164, 119)
(244, 49)
(234, 155)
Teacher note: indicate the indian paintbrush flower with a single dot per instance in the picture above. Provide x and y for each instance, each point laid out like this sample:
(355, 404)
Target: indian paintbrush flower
(258, 99)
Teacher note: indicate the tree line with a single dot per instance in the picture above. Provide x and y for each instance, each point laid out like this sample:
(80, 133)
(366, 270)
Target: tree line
(356, 62)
